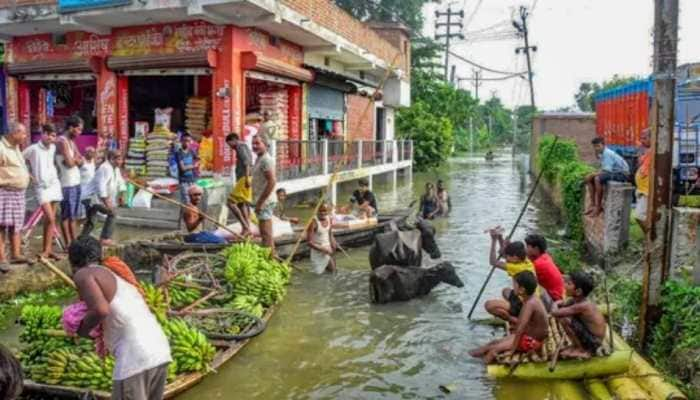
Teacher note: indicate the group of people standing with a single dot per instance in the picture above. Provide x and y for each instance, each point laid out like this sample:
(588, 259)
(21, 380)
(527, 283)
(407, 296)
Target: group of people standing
(59, 175)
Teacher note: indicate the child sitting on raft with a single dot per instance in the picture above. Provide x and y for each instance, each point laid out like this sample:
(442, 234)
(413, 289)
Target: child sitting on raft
(516, 261)
(532, 327)
(581, 319)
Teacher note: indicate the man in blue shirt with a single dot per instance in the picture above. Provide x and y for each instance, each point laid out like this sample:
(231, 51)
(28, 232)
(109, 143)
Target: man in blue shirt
(186, 163)
(612, 168)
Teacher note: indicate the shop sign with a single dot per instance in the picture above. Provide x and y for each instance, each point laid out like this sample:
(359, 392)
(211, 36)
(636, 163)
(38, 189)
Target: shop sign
(168, 39)
(41, 47)
(67, 6)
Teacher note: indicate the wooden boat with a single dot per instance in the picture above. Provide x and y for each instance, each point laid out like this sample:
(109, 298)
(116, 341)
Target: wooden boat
(346, 238)
(226, 350)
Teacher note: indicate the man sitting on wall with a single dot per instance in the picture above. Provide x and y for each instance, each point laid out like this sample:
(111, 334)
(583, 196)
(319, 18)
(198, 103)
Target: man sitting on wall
(613, 168)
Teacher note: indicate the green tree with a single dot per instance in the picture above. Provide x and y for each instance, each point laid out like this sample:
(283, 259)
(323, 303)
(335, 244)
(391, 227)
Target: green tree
(585, 97)
(406, 11)
(432, 135)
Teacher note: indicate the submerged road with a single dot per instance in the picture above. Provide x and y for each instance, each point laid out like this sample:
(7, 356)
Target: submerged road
(327, 341)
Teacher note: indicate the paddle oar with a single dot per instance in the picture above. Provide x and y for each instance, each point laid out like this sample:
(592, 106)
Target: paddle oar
(184, 206)
(517, 222)
(65, 278)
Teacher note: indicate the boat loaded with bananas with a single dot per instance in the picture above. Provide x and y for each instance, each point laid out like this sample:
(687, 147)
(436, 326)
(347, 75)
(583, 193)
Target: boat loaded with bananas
(615, 372)
(209, 305)
(348, 235)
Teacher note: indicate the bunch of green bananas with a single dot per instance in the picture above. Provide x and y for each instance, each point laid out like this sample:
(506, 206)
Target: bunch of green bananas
(155, 298)
(37, 319)
(189, 347)
(248, 304)
(252, 271)
(182, 296)
(72, 368)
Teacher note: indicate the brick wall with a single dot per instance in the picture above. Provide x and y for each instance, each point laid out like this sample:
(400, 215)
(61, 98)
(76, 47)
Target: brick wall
(608, 233)
(332, 17)
(579, 127)
(359, 127)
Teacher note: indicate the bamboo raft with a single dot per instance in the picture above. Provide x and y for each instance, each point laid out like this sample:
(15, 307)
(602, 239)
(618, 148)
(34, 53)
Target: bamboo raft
(226, 350)
(346, 237)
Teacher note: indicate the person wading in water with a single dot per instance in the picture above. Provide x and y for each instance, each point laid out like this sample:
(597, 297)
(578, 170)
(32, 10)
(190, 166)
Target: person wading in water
(320, 239)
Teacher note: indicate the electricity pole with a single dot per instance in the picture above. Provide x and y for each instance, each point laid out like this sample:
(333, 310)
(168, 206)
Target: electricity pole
(658, 238)
(521, 27)
(515, 130)
(476, 83)
(471, 135)
(449, 24)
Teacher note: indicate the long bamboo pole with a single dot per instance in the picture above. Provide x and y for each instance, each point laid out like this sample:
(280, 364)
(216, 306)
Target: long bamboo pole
(517, 222)
(65, 278)
(177, 203)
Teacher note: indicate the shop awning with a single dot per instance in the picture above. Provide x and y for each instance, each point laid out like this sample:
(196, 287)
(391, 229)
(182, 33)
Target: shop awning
(86, 65)
(205, 59)
(259, 62)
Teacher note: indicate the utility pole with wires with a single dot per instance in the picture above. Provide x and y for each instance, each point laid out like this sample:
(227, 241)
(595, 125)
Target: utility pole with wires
(476, 82)
(657, 247)
(521, 27)
(449, 24)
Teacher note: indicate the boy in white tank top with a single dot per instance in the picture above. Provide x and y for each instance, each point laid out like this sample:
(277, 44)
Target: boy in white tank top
(321, 241)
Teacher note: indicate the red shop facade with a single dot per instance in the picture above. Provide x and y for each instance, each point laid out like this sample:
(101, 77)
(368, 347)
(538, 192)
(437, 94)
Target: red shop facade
(211, 76)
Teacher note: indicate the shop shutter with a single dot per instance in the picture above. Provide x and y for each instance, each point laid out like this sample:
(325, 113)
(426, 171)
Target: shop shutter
(259, 62)
(86, 65)
(184, 60)
(326, 103)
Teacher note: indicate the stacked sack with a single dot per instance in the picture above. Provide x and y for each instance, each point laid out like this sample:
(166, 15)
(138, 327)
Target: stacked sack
(277, 104)
(136, 157)
(197, 115)
(157, 152)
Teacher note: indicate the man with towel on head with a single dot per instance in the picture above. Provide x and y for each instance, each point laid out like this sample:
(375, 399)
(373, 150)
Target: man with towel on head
(194, 219)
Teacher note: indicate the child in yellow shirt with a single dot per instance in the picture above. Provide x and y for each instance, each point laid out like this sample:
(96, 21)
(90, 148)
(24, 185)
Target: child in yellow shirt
(516, 261)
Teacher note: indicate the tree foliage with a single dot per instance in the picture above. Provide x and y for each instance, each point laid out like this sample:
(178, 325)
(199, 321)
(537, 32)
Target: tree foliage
(432, 135)
(406, 11)
(588, 90)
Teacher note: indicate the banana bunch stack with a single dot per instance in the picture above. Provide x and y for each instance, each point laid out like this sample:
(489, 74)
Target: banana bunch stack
(71, 368)
(36, 320)
(182, 296)
(252, 271)
(155, 298)
(247, 304)
(190, 349)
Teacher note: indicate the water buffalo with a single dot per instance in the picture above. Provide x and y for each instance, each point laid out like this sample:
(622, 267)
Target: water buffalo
(404, 247)
(392, 283)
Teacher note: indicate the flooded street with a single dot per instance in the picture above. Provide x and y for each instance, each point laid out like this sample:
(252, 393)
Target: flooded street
(326, 341)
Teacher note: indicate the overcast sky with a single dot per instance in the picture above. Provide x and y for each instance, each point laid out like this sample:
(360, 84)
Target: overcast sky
(577, 40)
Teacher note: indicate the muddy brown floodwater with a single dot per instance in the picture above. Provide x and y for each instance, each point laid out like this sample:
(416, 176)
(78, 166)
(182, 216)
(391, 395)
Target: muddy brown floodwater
(326, 341)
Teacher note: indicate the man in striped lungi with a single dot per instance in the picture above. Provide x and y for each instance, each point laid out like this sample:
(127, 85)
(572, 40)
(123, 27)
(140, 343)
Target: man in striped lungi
(14, 179)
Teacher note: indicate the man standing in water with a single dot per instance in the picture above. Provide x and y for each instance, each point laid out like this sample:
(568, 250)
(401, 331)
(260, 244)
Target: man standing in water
(69, 162)
(41, 159)
(131, 332)
(264, 182)
(14, 179)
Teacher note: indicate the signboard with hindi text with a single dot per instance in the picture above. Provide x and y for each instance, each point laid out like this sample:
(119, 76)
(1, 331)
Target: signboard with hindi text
(67, 6)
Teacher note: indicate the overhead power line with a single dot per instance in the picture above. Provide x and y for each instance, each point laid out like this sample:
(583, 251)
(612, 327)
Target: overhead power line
(451, 53)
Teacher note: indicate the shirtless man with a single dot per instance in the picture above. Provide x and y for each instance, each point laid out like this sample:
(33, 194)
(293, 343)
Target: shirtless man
(581, 319)
(532, 328)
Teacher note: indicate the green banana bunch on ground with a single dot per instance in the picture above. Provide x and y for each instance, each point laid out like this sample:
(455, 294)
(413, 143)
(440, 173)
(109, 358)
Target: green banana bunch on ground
(182, 296)
(253, 272)
(247, 304)
(155, 298)
(68, 367)
(37, 319)
(189, 347)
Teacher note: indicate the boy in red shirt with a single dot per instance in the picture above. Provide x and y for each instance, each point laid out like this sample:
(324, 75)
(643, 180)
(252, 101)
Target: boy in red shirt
(548, 274)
